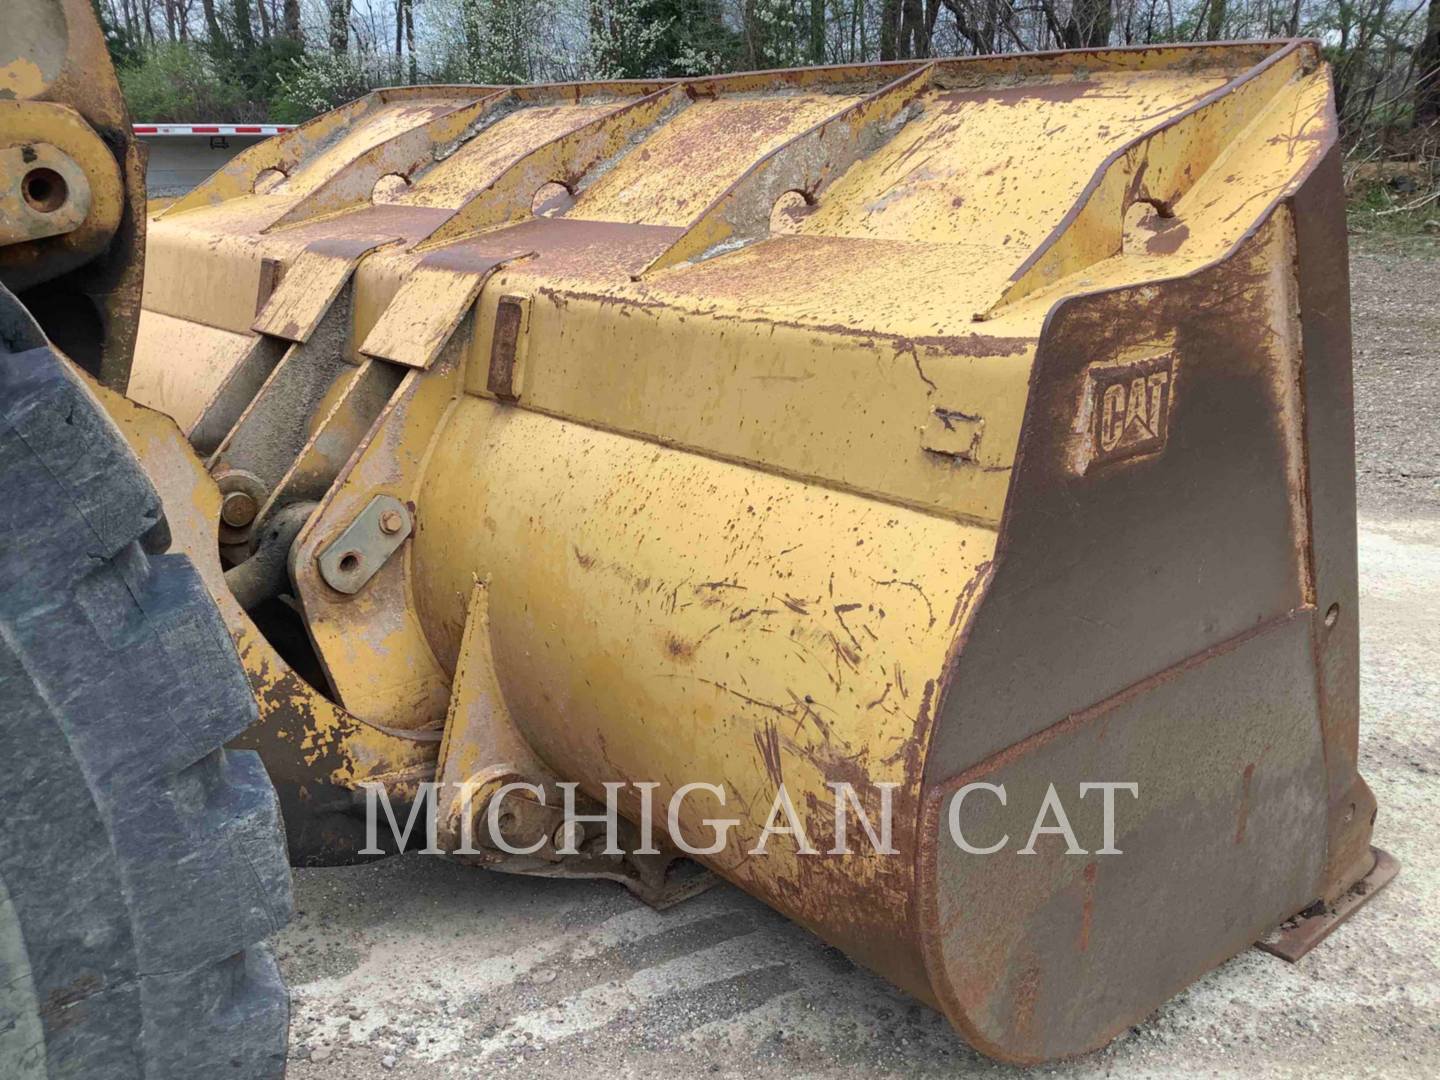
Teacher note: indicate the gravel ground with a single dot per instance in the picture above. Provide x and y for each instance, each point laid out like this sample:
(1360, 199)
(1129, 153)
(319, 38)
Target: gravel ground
(416, 967)
(1396, 300)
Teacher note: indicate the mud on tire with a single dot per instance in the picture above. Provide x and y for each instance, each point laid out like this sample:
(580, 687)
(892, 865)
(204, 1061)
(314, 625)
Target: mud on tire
(141, 863)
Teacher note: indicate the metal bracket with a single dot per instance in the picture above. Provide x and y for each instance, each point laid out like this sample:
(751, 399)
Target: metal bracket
(355, 556)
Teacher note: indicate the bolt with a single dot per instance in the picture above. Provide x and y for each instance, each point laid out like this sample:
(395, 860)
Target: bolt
(391, 522)
(506, 823)
(568, 835)
(239, 509)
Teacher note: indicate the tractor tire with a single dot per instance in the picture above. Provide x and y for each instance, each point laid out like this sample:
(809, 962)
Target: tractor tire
(141, 863)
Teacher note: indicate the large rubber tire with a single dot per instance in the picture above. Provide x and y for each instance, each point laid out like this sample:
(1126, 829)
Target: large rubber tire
(141, 864)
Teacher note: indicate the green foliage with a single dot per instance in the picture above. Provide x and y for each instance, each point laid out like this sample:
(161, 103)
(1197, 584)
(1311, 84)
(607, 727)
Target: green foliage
(126, 48)
(188, 81)
(263, 69)
(494, 42)
(180, 83)
(649, 39)
(319, 81)
(1378, 210)
(776, 34)
(624, 40)
(694, 39)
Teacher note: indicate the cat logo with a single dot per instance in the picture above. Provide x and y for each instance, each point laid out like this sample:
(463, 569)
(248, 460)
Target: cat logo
(1130, 407)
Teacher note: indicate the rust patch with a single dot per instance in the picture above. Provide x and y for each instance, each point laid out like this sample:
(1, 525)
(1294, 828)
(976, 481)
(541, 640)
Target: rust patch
(271, 273)
(57, 1012)
(508, 316)
(1243, 816)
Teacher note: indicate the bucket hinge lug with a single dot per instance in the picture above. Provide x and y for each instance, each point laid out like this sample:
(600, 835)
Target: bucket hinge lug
(355, 556)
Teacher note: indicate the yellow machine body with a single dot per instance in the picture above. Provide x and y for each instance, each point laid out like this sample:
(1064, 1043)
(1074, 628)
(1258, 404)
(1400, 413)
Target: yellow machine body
(906, 427)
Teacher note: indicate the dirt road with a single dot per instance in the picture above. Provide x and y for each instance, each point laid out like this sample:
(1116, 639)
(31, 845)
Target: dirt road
(1396, 304)
(417, 967)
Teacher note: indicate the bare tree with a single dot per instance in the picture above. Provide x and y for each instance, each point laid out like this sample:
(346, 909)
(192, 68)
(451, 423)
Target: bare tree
(1215, 20)
(212, 21)
(1427, 69)
(244, 33)
(409, 11)
(405, 33)
(890, 30)
(339, 25)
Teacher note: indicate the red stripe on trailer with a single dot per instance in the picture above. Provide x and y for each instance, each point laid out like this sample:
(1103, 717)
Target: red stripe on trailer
(211, 129)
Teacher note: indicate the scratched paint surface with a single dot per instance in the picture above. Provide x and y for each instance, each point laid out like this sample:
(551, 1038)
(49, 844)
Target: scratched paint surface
(673, 175)
(671, 618)
(742, 505)
(998, 167)
(479, 161)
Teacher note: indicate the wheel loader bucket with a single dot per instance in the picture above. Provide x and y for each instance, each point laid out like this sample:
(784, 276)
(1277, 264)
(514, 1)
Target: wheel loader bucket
(961, 446)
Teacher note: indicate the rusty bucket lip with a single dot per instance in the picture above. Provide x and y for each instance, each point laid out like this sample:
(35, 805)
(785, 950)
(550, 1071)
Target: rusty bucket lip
(1273, 45)
(1310, 188)
(1293, 939)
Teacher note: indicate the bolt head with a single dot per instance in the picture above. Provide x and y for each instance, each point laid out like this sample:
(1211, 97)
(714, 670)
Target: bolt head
(568, 835)
(391, 522)
(239, 509)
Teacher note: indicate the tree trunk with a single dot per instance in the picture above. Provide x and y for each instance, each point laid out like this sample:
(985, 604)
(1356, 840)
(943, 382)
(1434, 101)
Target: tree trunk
(212, 24)
(1427, 70)
(339, 25)
(889, 29)
(912, 19)
(1089, 26)
(244, 35)
(817, 31)
(292, 20)
(1215, 20)
(470, 18)
(410, 39)
(932, 12)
